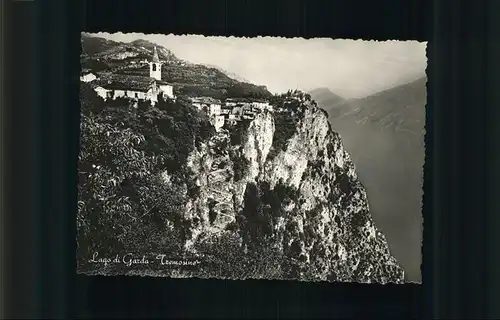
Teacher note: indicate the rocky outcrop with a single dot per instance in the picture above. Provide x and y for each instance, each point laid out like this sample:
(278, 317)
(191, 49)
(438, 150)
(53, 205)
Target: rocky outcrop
(321, 220)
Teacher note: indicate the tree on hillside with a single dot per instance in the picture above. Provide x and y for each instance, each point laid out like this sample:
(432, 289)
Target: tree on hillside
(112, 162)
(123, 200)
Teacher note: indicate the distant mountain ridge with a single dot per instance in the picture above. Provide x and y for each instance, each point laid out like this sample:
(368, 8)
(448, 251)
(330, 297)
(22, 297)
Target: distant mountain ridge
(106, 56)
(399, 108)
(228, 73)
(101, 48)
(92, 45)
(325, 97)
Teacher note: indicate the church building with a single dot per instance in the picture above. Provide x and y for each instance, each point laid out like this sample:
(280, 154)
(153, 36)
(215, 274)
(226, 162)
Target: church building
(137, 87)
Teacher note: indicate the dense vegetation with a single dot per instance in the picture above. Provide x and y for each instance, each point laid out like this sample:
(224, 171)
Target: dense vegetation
(225, 258)
(124, 203)
(92, 45)
(263, 207)
(95, 65)
(286, 119)
(251, 248)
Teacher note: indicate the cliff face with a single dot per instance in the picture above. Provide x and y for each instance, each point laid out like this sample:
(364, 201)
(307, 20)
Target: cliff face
(317, 209)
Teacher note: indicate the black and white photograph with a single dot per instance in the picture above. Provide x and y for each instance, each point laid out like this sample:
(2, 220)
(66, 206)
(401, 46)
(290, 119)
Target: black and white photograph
(238, 158)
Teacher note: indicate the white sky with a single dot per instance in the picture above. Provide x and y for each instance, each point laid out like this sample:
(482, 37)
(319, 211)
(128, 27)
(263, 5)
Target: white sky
(349, 68)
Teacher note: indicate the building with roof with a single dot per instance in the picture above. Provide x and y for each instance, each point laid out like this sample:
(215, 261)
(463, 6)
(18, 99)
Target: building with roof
(210, 105)
(248, 112)
(112, 86)
(248, 103)
(87, 76)
(261, 105)
(231, 103)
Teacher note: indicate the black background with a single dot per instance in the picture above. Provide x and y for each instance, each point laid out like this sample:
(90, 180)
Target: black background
(40, 130)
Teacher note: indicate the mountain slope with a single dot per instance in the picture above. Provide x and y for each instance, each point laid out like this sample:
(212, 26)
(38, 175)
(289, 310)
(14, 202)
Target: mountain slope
(324, 97)
(92, 45)
(398, 109)
(276, 197)
(384, 133)
(104, 56)
(306, 199)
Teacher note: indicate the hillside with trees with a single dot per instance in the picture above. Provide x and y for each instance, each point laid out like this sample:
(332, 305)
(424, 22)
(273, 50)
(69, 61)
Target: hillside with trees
(123, 202)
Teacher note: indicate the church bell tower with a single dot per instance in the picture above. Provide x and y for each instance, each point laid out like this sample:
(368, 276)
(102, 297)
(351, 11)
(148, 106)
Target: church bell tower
(155, 66)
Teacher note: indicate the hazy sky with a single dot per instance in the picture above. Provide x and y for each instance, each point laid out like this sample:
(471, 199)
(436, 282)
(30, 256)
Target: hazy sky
(349, 68)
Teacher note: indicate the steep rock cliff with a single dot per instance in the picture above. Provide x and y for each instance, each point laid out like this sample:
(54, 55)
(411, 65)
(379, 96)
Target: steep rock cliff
(304, 199)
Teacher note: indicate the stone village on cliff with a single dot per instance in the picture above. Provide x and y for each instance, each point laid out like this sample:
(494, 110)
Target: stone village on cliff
(137, 88)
